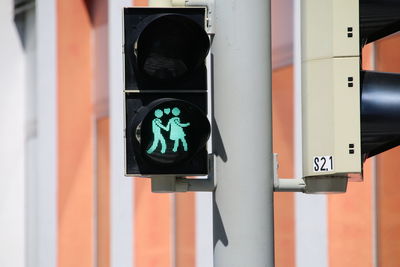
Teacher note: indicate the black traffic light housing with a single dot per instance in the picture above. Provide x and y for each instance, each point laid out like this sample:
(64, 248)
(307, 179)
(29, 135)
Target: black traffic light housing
(166, 91)
(378, 18)
(380, 92)
(380, 112)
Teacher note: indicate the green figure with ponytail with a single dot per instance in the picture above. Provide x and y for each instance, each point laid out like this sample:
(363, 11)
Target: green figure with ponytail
(176, 130)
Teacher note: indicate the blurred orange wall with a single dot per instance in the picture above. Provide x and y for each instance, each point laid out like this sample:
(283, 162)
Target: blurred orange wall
(103, 191)
(283, 144)
(388, 183)
(75, 136)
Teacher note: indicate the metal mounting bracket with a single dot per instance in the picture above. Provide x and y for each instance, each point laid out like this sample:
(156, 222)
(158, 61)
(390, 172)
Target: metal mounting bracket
(286, 184)
(210, 10)
(172, 184)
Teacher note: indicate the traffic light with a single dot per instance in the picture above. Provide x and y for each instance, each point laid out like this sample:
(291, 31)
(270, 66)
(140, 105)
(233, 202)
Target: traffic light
(348, 114)
(166, 91)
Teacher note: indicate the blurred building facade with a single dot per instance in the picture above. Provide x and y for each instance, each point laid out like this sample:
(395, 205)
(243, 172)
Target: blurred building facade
(64, 200)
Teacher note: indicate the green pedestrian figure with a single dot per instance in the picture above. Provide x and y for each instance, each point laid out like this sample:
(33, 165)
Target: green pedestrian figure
(158, 137)
(176, 130)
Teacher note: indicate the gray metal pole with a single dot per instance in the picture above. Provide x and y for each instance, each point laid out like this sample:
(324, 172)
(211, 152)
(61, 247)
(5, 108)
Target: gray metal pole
(243, 208)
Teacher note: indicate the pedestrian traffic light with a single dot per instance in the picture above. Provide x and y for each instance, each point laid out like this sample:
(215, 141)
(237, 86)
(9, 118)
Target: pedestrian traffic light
(166, 91)
(348, 114)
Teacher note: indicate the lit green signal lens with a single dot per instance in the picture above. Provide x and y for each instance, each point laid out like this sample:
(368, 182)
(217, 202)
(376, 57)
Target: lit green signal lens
(174, 127)
(173, 131)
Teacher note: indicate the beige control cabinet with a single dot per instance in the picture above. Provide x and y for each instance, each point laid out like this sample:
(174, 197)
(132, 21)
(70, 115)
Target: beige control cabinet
(330, 94)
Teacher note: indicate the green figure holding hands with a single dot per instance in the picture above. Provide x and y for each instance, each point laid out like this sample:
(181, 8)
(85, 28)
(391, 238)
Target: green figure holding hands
(176, 130)
(158, 137)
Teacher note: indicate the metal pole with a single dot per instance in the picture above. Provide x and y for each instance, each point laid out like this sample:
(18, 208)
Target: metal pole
(243, 208)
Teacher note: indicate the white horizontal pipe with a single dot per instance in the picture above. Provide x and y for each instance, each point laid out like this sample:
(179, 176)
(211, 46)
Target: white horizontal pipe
(290, 185)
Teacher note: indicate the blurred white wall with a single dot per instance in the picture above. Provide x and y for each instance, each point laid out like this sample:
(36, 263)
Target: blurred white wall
(41, 94)
(121, 189)
(12, 138)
